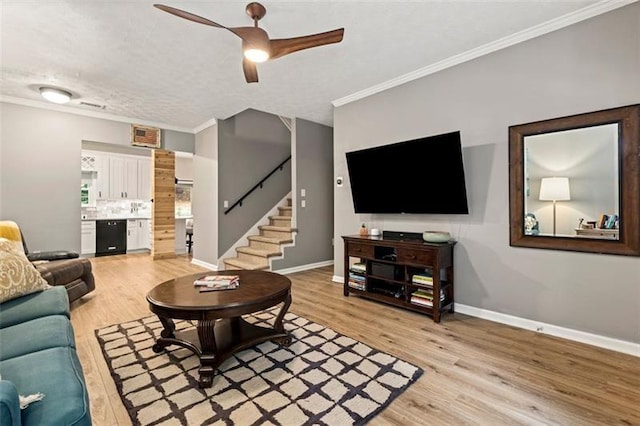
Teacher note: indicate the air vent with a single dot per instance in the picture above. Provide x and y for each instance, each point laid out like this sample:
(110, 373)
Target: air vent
(89, 104)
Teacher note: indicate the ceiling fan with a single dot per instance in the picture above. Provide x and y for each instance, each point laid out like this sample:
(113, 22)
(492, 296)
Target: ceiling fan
(256, 44)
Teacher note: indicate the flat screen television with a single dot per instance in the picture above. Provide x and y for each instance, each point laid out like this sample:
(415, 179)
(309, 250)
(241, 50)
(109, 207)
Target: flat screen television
(423, 175)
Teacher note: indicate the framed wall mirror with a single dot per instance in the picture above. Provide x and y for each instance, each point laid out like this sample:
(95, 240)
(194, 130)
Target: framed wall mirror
(574, 182)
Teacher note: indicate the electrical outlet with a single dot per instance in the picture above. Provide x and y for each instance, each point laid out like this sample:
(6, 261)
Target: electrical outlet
(225, 204)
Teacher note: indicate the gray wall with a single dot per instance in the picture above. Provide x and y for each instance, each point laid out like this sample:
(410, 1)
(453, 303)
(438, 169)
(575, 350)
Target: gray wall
(184, 168)
(178, 141)
(204, 202)
(250, 145)
(1, 179)
(313, 171)
(586, 67)
(40, 170)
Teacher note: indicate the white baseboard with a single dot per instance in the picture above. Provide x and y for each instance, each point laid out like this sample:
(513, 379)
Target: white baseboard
(617, 345)
(204, 264)
(304, 267)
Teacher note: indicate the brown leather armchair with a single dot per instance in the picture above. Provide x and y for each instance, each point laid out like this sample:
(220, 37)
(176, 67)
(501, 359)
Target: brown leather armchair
(75, 274)
(63, 268)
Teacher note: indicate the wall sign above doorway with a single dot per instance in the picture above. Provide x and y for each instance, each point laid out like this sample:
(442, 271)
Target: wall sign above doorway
(145, 136)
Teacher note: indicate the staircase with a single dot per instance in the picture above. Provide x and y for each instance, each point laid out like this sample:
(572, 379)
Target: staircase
(266, 245)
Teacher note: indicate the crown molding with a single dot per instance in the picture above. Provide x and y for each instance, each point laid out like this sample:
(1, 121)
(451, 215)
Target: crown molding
(546, 27)
(204, 125)
(93, 114)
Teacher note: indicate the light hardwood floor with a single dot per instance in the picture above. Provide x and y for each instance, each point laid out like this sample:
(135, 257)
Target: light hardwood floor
(476, 371)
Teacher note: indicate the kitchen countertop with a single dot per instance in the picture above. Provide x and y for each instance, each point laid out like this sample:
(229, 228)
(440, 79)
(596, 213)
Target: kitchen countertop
(116, 218)
(129, 217)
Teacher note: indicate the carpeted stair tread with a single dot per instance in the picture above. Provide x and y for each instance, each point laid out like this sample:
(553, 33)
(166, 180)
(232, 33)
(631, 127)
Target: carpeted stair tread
(241, 264)
(272, 240)
(257, 252)
(276, 228)
(280, 217)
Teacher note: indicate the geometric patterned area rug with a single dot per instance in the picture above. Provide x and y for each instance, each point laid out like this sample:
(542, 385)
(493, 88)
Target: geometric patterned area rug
(323, 378)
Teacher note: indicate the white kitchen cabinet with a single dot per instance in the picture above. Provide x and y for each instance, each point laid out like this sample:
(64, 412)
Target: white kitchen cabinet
(131, 179)
(123, 178)
(88, 237)
(132, 234)
(144, 233)
(118, 176)
(138, 234)
(101, 165)
(87, 162)
(144, 179)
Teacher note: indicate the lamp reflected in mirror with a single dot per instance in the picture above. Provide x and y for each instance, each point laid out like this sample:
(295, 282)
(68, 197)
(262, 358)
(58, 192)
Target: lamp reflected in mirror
(554, 189)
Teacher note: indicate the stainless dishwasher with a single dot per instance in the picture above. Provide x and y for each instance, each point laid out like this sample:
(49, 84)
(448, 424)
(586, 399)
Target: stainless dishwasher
(111, 237)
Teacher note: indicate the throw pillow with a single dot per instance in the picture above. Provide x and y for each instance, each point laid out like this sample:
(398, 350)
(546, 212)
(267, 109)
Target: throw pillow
(18, 276)
(11, 231)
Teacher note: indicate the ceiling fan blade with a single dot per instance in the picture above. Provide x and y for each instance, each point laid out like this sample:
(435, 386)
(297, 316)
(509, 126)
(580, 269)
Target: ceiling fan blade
(189, 16)
(250, 71)
(284, 46)
(247, 33)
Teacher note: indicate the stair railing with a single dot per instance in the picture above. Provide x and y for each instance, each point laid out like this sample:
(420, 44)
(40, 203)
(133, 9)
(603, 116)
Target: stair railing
(258, 185)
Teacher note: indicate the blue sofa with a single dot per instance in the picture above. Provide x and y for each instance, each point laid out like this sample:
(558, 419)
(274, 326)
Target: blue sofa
(38, 355)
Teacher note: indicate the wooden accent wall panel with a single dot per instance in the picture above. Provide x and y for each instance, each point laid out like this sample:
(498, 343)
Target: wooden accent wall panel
(163, 220)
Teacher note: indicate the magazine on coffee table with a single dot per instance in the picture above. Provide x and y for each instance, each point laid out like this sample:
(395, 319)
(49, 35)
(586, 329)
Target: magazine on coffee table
(217, 282)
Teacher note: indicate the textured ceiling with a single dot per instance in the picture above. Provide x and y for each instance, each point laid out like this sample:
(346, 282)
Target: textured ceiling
(143, 63)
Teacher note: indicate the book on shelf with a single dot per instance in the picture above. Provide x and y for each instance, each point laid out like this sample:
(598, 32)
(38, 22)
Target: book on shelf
(217, 282)
(611, 222)
(422, 302)
(422, 278)
(358, 267)
(425, 296)
(602, 223)
(357, 285)
(356, 277)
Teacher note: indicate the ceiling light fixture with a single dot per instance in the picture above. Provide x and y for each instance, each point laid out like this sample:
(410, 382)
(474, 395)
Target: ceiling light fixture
(256, 55)
(256, 49)
(57, 96)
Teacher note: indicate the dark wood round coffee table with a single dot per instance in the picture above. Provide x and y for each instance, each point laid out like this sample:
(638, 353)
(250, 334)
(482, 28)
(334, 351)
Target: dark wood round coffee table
(220, 331)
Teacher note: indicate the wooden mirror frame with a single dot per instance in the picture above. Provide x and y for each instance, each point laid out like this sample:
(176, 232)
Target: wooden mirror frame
(628, 120)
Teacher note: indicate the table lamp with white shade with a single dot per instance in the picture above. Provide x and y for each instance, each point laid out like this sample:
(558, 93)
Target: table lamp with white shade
(554, 189)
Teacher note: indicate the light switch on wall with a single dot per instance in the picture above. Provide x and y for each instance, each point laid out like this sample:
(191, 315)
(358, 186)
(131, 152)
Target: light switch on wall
(303, 192)
(303, 203)
(225, 204)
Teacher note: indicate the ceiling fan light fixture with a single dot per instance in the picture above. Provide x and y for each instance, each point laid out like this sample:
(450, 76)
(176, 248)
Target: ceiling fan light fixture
(257, 46)
(54, 95)
(256, 55)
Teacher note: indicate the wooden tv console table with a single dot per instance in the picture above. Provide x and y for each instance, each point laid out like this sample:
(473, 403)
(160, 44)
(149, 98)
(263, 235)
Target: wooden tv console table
(383, 270)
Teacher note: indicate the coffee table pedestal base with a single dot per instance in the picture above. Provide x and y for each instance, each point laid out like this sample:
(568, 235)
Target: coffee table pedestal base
(214, 341)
